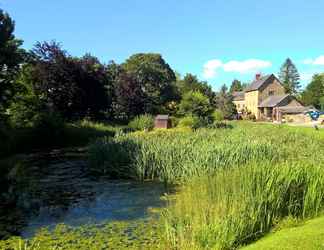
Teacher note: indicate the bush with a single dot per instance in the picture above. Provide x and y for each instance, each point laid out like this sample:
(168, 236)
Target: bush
(24, 112)
(174, 121)
(218, 115)
(190, 121)
(142, 122)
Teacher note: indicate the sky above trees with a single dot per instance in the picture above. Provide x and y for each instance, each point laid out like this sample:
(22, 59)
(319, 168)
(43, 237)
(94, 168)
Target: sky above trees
(216, 40)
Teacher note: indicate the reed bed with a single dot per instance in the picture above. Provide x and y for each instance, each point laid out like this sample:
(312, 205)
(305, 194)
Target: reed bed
(236, 184)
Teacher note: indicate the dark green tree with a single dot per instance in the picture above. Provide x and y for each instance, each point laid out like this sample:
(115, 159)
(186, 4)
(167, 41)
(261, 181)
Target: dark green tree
(224, 102)
(236, 86)
(314, 91)
(129, 97)
(11, 56)
(289, 77)
(154, 76)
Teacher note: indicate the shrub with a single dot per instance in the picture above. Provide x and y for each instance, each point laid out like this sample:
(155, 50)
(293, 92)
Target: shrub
(190, 121)
(218, 115)
(195, 103)
(174, 121)
(142, 122)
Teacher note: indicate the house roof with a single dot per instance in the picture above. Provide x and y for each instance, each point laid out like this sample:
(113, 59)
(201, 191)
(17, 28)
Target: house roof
(162, 117)
(272, 101)
(256, 84)
(294, 110)
(238, 95)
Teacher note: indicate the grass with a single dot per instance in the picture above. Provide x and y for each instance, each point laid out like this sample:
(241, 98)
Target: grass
(234, 185)
(309, 235)
(24, 140)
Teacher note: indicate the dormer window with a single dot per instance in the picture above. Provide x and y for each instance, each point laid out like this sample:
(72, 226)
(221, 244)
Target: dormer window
(271, 92)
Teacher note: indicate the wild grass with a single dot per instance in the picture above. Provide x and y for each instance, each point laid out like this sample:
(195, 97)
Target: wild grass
(24, 140)
(238, 205)
(236, 184)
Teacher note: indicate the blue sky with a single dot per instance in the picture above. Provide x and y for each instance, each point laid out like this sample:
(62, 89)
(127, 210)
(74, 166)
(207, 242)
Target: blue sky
(216, 40)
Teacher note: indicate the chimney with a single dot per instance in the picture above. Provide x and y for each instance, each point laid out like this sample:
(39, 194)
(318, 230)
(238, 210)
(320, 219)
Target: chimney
(257, 76)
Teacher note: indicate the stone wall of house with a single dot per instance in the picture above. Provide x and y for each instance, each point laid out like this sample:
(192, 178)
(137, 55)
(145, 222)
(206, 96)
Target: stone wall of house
(240, 105)
(252, 102)
(274, 88)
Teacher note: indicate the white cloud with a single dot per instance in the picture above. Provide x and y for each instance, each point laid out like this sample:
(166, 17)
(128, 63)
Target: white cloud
(246, 66)
(306, 76)
(317, 61)
(210, 68)
(242, 67)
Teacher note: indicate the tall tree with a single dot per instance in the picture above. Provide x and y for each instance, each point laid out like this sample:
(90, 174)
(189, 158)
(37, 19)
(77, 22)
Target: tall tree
(129, 98)
(11, 56)
(236, 86)
(289, 77)
(314, 91)
(224, 102)
(154, 76)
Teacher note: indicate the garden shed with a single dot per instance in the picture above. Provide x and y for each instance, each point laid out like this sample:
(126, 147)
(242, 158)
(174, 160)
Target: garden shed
(162, 121)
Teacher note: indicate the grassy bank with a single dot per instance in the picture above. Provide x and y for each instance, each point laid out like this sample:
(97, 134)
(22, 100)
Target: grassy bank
(25, 140)
(234, 184)
(308, 235)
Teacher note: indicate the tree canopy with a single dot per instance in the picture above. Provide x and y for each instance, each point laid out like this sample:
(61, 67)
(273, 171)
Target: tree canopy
(314, 92)
(11, 56)
(289, 77)
(224, 102)
(236, 86)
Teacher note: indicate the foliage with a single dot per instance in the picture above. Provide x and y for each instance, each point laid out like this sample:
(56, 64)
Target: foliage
(155, 78)
(11, 55)
(314, 91)
(224, 102)
(196, 104)
(321, 102)
(142, 122)
(129, 97)
(190, 121)
(218, 115)
(144, 234)
(236, 86)
(191, 83)
(289, 77)
(49, 132)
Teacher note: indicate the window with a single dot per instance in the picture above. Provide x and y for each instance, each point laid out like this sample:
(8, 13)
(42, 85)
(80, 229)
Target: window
(271, 92)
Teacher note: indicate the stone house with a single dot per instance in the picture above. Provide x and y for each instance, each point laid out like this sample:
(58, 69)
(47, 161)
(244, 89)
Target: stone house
(266, 99)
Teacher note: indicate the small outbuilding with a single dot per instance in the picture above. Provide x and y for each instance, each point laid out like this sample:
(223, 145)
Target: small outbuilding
(162, 121)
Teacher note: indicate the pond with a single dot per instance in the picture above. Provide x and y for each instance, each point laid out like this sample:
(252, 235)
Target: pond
(56, 187)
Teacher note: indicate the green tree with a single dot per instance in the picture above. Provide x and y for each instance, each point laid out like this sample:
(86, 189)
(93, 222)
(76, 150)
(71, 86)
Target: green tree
(155, 78)
(224, 102)
(314, 91)
(321, 101)
(192, 83)
(236, 86)
(11, 56)
(197, 104)
(289, 77)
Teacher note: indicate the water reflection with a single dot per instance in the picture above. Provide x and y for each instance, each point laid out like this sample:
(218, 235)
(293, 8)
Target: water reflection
(54, 189)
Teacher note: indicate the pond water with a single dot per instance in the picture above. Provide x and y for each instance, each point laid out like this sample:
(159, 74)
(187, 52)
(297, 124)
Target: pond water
(56, 188)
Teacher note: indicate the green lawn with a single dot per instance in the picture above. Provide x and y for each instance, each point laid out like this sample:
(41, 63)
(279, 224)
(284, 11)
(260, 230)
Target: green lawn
(309, 236)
